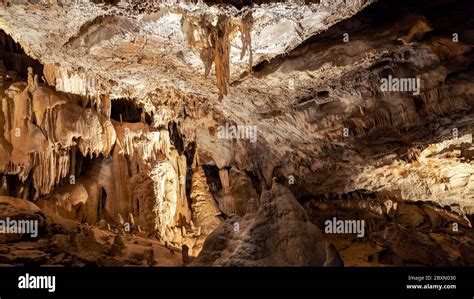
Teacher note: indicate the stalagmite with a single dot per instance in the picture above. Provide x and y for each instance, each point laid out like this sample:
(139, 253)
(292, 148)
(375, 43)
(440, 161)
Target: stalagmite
(120, 219)
(49, 74)
(205, 210)
(30, 80)
(224, 177)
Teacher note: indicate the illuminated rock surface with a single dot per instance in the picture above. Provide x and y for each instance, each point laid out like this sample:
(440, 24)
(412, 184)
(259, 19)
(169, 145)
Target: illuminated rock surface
(112, 119)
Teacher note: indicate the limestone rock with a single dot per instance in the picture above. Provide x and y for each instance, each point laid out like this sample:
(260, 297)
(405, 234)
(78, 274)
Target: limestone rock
(179, 116)
(279, 233)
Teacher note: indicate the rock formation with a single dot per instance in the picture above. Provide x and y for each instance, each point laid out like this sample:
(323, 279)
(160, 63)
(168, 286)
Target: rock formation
(195, 133)
(279, 233)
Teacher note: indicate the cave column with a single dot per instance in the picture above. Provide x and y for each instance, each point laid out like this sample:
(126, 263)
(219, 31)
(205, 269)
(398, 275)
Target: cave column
(224, 177)
(107, 106)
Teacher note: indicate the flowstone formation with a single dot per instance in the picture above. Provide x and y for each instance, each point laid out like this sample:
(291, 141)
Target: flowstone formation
(238, 133)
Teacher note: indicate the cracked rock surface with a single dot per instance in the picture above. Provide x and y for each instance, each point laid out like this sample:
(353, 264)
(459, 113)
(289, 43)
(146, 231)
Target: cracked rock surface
(173, 133)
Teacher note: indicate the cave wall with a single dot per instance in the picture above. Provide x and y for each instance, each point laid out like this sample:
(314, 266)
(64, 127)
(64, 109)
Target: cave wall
(131, 101)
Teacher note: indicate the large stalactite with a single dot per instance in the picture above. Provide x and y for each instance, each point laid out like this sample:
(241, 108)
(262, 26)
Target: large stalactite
(229, 133)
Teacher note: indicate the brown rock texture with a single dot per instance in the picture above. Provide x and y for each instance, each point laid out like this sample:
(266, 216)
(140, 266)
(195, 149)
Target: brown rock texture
(196, 133)
(279, 233)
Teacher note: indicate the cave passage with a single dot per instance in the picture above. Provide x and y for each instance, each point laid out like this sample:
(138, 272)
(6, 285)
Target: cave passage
(127, 111)
(239, 4)
(212, 177)
(15, 59)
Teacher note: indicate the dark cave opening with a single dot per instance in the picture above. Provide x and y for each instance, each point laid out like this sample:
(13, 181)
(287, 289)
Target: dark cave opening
(128, 111)
(11, 185)
(256, 183)
(15, 59)
(102, 203)
(189, 153)
(324, 94)
(175, 138)
(212, 177)
(380, 65)
(83, 163)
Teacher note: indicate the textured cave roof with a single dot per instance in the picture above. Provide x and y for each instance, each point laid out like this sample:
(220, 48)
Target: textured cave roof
(139, 50)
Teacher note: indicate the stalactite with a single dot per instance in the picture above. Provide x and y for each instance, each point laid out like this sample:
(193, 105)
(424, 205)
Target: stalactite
(107, 106)
(42, 136)
(214, 45)
(221, 45)
(246, 36)
(224, 177)
(49, 168)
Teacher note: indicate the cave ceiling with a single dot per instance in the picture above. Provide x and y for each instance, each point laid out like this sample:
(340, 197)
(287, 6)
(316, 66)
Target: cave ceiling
(131, 97)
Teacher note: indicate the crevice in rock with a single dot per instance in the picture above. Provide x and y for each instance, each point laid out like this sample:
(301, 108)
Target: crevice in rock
(212, 177)
(102, 203)
(176, 138)
(257, 184)
(11, 185)
(15, 59)
(125, 110)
